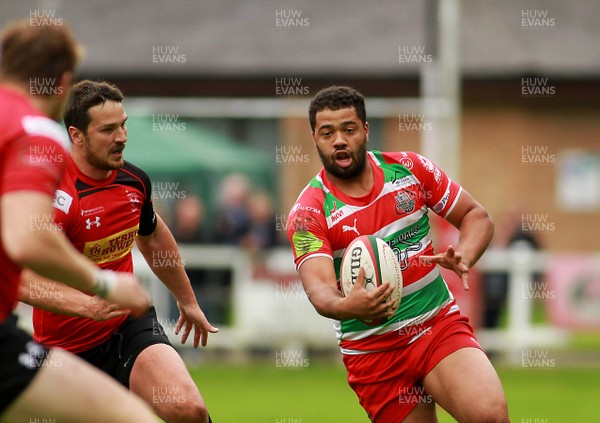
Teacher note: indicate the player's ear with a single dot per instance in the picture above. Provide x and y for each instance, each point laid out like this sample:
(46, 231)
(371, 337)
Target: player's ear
(367, 131)
(76, 135)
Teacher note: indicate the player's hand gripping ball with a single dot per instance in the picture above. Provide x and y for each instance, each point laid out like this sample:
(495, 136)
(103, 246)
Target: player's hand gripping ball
(380, 264)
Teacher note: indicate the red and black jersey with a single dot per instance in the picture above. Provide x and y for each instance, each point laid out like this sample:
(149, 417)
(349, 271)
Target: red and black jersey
(33, 153)
(101, 218)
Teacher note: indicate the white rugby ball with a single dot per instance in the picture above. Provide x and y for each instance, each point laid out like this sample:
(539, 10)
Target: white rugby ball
(380, 263)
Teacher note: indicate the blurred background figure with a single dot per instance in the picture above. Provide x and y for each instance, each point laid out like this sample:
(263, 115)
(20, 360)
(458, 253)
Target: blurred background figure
(232, 215)
(189, 224)
(262, 233)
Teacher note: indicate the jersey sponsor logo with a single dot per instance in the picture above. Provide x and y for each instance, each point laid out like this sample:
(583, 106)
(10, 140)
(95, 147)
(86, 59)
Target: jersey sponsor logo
(305, 242)
(136, 200)
(442, 203)
(62, 201)
(90, 222)
(405, 202)
(406, 162)
(112, 247)
(337, 215)
(348, 228)
(299, 206)
(93, 210)
(430, 167)
(47, 128)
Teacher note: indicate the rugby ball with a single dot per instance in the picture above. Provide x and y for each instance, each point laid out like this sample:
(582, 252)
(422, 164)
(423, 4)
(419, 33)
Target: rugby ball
(380, 263)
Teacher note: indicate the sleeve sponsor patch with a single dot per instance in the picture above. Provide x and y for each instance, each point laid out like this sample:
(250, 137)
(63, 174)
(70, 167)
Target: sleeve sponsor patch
(305, 242)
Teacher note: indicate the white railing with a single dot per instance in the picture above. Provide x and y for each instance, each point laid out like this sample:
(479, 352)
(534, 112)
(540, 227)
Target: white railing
(271, 309)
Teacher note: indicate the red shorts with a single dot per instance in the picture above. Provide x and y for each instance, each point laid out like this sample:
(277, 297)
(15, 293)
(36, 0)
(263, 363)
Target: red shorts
(388, 383)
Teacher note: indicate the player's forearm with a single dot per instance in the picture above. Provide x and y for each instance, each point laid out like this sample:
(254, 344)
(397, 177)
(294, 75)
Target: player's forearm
(162, 255)
(329, 302)
(476, 231)
(49, 295)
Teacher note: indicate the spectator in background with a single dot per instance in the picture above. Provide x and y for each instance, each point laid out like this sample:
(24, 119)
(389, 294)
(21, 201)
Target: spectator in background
(212, 286)
(262, 231)
(189, 225)
(232, 214)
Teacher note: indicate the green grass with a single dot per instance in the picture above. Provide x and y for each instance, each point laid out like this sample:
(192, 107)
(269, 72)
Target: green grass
(261, 392)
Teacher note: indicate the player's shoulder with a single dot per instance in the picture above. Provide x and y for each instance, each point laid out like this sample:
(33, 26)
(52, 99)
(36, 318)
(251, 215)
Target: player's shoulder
(131, 174)
(415, 162)
(134, 170)
(405, 158)
(22, 121)
(311, 198)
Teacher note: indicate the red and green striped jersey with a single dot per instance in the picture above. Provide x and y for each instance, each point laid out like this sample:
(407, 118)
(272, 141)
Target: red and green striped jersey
(324, 221)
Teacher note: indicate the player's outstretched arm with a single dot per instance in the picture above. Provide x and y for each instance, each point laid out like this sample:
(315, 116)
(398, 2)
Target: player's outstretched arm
(318, 277)
(59, 298)
(171, 272)
(47, 252)
(476, 231)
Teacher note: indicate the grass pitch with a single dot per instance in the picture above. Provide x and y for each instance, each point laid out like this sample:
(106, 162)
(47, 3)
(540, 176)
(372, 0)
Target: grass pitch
(264, 393)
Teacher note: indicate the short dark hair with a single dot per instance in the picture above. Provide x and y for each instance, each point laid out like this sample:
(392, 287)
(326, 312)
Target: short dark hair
(85, 95)
(30, 51)
(335, 98)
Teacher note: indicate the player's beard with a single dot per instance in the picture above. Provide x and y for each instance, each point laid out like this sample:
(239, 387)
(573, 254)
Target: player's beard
(99, 162)
(359, 161)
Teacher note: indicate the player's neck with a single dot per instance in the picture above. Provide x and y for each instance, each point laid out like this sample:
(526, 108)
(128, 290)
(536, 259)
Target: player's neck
(87, 169)
(44, 104)
(358, 186)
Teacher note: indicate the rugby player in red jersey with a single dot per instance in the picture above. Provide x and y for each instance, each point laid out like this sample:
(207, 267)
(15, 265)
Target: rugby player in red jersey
(425, 352)
(35, 382)
(104, 207)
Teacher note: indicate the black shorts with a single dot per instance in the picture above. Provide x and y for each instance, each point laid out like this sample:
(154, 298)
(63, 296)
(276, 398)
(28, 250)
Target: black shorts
(117, 355)
(20, 360)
